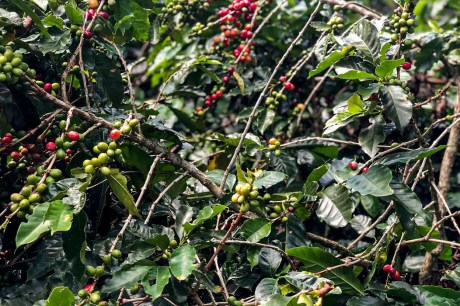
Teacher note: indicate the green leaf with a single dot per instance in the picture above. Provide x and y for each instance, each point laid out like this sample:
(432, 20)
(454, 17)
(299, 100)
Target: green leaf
(376, 182)
(59, 217)
(355, 104)
(269, 261)
(126, 278)
(161, 277)
(74, 244)
(295, 233)
(53, 21)
(118, 183)
(269, 178)
(332, 58)
(396, 105)
(109, 79)
(370, 137)
(386, 67)
(181, 261)
(365, 37)
(73, 13)
(32, 229)
(316, 260)
(217, 175)
(242, 178)
(304, 280)
(254, 230)
(266, 288)
(404, 195)
(140, 22)
(9, 18)
(61, 296)
(436, 295)
(335, 206)
(208, 212)
(411, 156)
(57, 43)
(356, 75)
(265, 119)
(453, 275)
(371, 205)
(183, 215)
(26, 8)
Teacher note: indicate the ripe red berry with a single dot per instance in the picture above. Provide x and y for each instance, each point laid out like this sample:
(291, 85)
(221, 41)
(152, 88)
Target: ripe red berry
(282, 79)
(231, 70)
(104, 15)
(89, 15)
(214, 97)
(252, 7)
(386, 268)
(406, 66)
(48, 87)
(68, 151)
(392, 270)
(291, 209)
(15, 155)
(208, 103)
(88, 35)
(88, 287)
(353, 165)
(396, 276)
(74, 136)
(114, 134)
(24, 151)
(6, 140)
(226, 79)
(219, 94)
(364, 170)
(8, 135)
(199, 109)
(67, 158)
(50, 146)
(289, 86)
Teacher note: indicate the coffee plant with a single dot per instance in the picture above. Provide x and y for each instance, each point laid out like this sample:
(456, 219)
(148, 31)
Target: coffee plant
(244, 152)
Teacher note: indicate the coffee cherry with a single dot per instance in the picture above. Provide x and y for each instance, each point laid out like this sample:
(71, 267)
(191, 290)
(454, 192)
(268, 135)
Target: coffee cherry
(392, 270)
(104, 15)
(289, 86)
(15, 155)
(95, 297)
(134, 289)
(133, 122)
(88, 35)
(226, 79)
(396, 276)
(125, 129)
(114, 134)
(48, 87)
(105, 171)
(6, 140)
(116, 253)
(353, 165)
(386, 268)
(282, 79)
(364, 170)
(90, 270)
(93, 4)
(82, 293)
(406, 66)
(74, 136)
(88, 288)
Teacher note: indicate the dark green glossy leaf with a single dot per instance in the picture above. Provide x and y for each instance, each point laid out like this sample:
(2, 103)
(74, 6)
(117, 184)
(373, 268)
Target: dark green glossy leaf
(406, 157)
(118, 183)
(396, 105)
(376, 182)
(335, 206)
(370, 137)
(254, 230)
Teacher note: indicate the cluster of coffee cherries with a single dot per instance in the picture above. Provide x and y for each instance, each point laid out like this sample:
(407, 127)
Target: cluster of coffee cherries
(395, 275)
(297, 109)
(353, 165)
(232, 301)
(246, 195)
(107, 152)
(176, 6)
(273, 101)
(123, 128)
(401, 23)
(336, 23)
(63, 146)
(87, 294)
(11, 65)
(274, 145)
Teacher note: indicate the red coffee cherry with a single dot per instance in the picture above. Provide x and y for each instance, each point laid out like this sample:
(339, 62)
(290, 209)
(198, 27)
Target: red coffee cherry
(364, 170)
(396, 276)
(50, 146)
(406, 66)
(289, 86)
(353, 165)
(115, 134)
(88, 35)
(15, 155)
(74, 136)
(386, 268)
(48, 87)
(282, 79)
